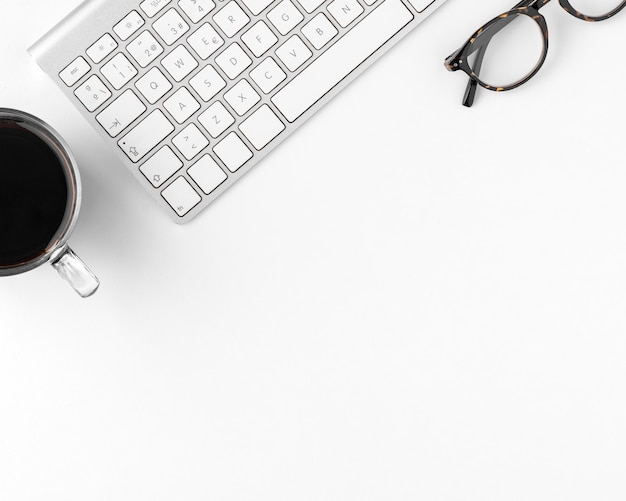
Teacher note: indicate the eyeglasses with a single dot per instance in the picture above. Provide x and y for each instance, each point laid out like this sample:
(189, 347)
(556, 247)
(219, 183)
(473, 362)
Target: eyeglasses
(518, 44)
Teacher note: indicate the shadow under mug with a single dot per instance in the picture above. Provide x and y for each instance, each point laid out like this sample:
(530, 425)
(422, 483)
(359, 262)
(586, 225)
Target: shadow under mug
(40, 194)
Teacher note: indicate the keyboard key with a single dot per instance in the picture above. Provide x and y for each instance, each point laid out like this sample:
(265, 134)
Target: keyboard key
(128, 26)
(205, 41)
(261, 127)
(181, 105)
(216, 119)
(119, 71)
(233, 61)
(153, 7)
(345, 11)
(207, 83)
(76, 70)
(179, 63)
(170, 26)
(285, 16)
(196, 9)
(181, 196)
(340, 59)
(259, 39)
(242, 97)
(231, 19)
(257, 6)
(207, 174)
(190, 141)
(121, 113)
(233, 152)
(93, 93)
(153, 85)
(145, 49)
(145, 136)
(319, 31)
(421, 5)
(293, 53)
(268, 75)
(310, 5)
(161, 166)
(102, 48)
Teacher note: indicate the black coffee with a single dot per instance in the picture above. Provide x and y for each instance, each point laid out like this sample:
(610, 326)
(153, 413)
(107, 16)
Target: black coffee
(33, 195)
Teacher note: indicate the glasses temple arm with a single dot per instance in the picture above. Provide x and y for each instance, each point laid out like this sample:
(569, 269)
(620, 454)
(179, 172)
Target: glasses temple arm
(472, 85)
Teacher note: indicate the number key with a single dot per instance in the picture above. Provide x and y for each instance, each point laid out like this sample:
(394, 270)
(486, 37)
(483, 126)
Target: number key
(196, 9)
(118, 71)
(145, 49)
(171, 26)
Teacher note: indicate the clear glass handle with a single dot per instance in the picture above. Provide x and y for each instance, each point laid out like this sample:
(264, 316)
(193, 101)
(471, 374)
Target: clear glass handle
(75, 272)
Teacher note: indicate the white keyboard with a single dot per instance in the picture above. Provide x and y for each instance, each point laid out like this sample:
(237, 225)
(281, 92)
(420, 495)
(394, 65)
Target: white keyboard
(192, 93)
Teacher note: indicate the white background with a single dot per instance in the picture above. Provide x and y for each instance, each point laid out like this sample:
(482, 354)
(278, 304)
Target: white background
(408, 300)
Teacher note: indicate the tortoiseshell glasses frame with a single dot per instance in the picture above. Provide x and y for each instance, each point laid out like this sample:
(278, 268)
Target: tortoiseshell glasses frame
(479, 41)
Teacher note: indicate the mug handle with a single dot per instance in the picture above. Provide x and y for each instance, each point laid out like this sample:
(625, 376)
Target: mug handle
(75, 272)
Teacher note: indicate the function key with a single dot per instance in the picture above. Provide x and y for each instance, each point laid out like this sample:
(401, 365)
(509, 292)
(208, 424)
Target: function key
(153, 7)
(76, 70)
(102, 48)
(129, 25)
(181, 196)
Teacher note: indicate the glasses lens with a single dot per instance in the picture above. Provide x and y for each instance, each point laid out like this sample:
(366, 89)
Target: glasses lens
(595, 8)
(508, 51)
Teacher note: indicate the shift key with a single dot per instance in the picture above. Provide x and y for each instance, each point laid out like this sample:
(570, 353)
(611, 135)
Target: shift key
(148, 134)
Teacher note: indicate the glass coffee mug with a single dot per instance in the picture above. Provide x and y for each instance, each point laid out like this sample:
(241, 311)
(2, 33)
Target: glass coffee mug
(40, 196)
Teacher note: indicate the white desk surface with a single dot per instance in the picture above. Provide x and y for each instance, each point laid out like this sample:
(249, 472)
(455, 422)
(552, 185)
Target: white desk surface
(408, 300)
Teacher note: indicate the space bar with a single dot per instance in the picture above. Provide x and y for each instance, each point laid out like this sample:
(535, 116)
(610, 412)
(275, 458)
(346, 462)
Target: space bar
(341, 59)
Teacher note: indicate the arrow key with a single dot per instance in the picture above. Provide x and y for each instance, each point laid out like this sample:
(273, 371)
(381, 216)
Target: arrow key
(190, 141)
